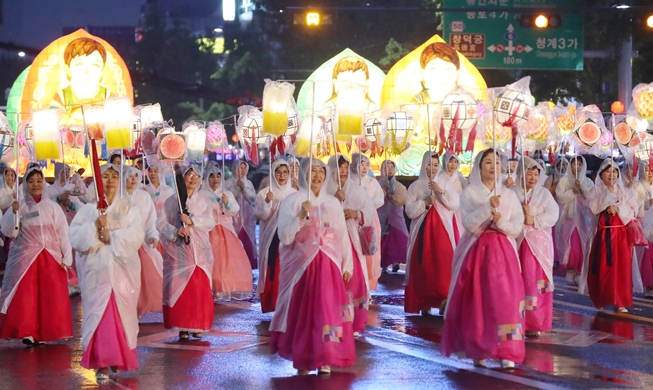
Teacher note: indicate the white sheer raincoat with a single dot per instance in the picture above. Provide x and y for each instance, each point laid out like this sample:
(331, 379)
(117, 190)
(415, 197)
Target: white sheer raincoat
(246, 198)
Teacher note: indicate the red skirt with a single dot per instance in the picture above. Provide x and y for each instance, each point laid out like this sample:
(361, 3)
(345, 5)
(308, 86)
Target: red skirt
(151, 297)
(485, 313)
(575, 252)
(609, 277)
(357, 289)
(249, 247)
(40, 307)
(646, 265)
(539, 294)
(430, 266)
(271, 290)
(319, 328)
(193, 311)
(393, 247)
(108, 346)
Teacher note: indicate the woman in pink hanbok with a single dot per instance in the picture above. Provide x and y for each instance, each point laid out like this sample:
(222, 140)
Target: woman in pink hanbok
(7, 195)
(573, 236)
(266, 210)
(358, 211)
(643, 190)
(431, 203)
(110, 278)
(394, 238)
(232, 272)
(151, 294)
(34, 304)
(484, 316)
(536, 245)
(312, 323)
(244, 221)
(359, 168)
(188, 258)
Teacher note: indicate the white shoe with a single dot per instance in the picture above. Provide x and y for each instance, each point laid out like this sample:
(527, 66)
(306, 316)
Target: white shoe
(507, 364)
(324, 370)
(357, 334)
(620, 310)
(571, 275)
(479, 362)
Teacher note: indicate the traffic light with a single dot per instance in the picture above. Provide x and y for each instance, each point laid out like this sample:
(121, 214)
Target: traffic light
(312, 18)
(649, 21)
(542, 20)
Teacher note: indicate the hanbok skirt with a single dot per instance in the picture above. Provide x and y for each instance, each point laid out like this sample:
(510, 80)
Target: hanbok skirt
(357, 289)
(609, 277)
(248, 244)
(108, 346)
(40, 307)
(393, 247)
(319, 326)
(538, 290)
(575, 259)
(646, 265)
(485, 312)
(232, 271)
(271, 288)
(430, 265)
(151, 296)
(193, 311)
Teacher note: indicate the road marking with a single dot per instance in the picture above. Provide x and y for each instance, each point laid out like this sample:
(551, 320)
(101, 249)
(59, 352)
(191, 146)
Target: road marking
(453, 363)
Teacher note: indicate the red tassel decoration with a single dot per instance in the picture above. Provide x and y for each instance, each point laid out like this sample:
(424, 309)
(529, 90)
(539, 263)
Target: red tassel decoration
(471, 138)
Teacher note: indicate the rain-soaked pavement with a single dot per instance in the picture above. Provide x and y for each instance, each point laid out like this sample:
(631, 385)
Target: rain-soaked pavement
(587, 349)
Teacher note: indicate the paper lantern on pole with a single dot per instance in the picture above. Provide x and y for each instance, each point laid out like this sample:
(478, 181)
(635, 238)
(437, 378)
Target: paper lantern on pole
(216, 138)
(149, 114)
(373, 129)
(250, 131)
(7, 138)
(276, 100)
(627, 131)
(118, 123)
(47, 140)
(514, 104)
(399, 124)
(350, 107)
(195, 141)
(459, 106)
(172, 146)
(94, 120)
(643, 100)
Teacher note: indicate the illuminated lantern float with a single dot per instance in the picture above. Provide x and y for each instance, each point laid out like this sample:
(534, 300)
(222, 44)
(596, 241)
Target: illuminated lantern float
(458, 115)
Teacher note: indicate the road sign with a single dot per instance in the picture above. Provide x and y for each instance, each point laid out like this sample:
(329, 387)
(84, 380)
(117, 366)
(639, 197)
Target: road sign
(489, 34)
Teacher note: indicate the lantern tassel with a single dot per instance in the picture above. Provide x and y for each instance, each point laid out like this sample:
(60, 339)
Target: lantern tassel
(552, 159)
(459, 141)
(471, 138)
(443, 139)
(635, 166)
(97, 173)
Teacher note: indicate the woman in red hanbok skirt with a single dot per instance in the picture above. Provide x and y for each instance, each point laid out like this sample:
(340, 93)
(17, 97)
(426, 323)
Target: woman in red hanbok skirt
(266, 210)
(232, 272)
(110, 278)
(609, 267)
(34, 304)
(431, 203)
(643, 190)
(484, 317)
(394, 239)
(188, 259)
(358, 210)
(312, 323)
(536, 246)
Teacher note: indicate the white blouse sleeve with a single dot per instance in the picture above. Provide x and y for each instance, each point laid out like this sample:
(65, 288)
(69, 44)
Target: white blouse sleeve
(414, 207)
(549, 216)
(262, 209)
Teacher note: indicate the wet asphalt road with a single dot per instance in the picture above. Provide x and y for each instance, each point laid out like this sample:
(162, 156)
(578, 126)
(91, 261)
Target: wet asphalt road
(587, 349)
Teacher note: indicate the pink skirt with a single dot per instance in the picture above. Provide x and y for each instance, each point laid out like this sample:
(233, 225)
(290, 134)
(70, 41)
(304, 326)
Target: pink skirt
(357, 289)
(575, 260)
(151, 296)
(193, 310)
(485, 313)
(394, 246)
(108, 346)
(646, 265)
(538, 290)
(232, 271)
(319, 327)
(248, 244)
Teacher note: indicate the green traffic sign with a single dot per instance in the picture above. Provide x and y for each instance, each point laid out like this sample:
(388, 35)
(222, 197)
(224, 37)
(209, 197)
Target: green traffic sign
(489, 34)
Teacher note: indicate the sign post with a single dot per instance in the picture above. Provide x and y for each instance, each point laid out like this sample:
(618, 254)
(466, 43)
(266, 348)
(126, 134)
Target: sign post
(490, 35)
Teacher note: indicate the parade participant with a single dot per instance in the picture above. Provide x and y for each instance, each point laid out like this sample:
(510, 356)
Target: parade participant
(359, 168)
(150, 297)
(109, 274)
(266, 210)
(608, 271)
(7, 190)
(358, 211)
(244, 221)
(536, 245)
(509, 168)
(293, 163)
(431, 203)
(449, 168)
(187, 259)
(232, 272)
(551, 182)
(394, 238)
(312, 324)
(158, 190)
(643, 190)
(34, 304)
(573, 234)
(486, 297)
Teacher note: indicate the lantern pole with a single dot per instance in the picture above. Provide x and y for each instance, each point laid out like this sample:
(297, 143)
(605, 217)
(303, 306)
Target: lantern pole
(16, 217)
(494, 148)
(523, 170)
(612, 147)
(310, 151)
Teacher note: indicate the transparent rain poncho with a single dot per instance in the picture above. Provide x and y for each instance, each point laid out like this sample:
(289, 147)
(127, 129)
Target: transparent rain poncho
(246, 198)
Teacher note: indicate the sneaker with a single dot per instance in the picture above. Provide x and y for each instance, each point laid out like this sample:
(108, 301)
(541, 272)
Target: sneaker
(620, 310)
(29, 341)
(197, 335)
(507, 364)
(183, 335)
(324, 370)
(569, 278)
(479, 362)
(395, 267)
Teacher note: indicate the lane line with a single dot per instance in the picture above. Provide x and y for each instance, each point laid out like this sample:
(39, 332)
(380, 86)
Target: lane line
(455, 363)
